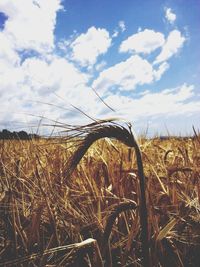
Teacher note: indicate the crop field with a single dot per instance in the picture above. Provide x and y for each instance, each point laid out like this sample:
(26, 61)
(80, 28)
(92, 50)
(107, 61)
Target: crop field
(77, 201)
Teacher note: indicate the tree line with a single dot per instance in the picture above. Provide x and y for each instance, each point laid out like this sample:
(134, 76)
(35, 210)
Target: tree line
(22, 135)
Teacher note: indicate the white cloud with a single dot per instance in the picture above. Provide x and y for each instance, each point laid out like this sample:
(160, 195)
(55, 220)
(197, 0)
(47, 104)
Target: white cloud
(115, 34)
(143, 42)
(8, 55)
(169, 15)
(128, 74)
(30, 24)
(22, 82)
(88, 46)
(54, 76)
(171, 47)
(121, 28)
(38, 80)
(122, 25)
(168, 102)
(100, 65)
(161, 70)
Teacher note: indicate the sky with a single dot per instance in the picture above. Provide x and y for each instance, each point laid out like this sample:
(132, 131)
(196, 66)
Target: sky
(134, 60)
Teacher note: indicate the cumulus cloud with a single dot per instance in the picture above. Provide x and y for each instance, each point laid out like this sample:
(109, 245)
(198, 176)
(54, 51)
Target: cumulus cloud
(128, 74)
(40, 80)
(171, 47)
(27, 79)
(168, 102)
(29, 27)
(8, 55)
(143, 42)
(169, 15)
(30, 24)
(88, 46)
(55, 75)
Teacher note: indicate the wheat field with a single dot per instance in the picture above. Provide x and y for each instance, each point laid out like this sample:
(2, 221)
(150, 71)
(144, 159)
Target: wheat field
(77, 201)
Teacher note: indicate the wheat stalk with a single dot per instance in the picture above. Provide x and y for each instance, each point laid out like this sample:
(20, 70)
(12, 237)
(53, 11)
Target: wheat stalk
(108, 128)
(116, 210)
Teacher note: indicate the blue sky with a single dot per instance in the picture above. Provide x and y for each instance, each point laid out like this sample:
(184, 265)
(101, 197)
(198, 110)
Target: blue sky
(141, 57)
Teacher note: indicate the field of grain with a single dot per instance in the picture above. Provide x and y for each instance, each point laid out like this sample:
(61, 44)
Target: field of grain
(58, 209)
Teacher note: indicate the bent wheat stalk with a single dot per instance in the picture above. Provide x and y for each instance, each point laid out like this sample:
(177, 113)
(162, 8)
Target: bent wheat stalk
(116, 210)
(102, 129)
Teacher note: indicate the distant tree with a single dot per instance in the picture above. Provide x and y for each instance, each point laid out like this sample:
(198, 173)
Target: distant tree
(6, 134)
(34, 136)
(22, 135)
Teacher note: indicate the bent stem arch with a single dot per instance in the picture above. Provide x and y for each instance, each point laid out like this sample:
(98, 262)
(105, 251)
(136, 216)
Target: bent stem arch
(102, 129)
(105, 246)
